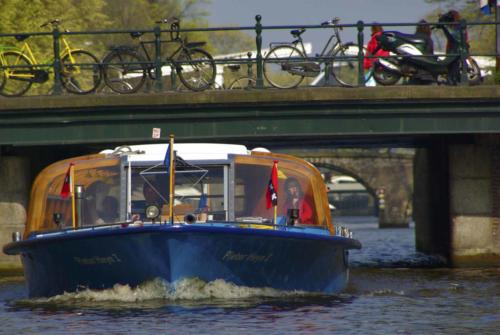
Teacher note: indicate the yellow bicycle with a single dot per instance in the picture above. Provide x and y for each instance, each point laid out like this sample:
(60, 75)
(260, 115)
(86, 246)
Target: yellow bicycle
(19, 69)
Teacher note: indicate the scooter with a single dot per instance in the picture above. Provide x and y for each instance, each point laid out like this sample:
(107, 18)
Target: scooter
(409, 61)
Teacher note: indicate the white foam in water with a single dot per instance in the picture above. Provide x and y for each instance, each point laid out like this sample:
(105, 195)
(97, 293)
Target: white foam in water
(186, 289)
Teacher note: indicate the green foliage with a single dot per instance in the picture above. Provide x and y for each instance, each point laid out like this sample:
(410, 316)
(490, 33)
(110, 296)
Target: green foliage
(18, 16)
(235, 41)
(481, 37)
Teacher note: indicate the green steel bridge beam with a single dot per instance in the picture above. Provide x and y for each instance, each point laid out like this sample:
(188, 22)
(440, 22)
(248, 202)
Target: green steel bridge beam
(260, 115)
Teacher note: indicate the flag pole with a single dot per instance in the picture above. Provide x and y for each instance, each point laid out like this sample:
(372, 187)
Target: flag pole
(275, 215)
(72, 193)
(497, 37)
(276, 206)
(171, 179)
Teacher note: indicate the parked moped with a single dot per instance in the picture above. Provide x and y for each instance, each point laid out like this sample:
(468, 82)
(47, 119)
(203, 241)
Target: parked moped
(408, 59)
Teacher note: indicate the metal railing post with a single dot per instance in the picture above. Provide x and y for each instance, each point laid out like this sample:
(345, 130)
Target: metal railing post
(361, 56)
(173, 77)
(464, 53)
(158, 74)
(249, 65)
(258, 41)
(56, 35)
(249, 70)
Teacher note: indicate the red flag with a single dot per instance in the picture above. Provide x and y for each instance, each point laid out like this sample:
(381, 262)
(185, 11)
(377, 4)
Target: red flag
(272, 188)
(66, 187)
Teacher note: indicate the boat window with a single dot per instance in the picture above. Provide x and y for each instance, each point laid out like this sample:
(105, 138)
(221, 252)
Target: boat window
(99, 204)
(252, 176)
(198, 191)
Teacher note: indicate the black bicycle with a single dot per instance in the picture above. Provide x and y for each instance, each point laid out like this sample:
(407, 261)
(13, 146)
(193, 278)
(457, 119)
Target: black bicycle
(126, 68)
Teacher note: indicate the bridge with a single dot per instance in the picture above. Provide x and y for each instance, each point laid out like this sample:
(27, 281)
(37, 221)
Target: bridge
(454, 130)
(382, 114)
(387, 173)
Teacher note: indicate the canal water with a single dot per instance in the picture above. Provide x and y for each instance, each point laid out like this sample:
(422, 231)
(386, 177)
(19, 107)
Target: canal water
(392, 290)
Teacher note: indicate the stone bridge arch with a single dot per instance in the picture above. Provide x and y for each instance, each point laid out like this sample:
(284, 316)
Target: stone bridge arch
(342, 170)
(390, 172)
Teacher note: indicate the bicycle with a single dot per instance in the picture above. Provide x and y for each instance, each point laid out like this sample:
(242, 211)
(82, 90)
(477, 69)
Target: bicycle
(80, 71)
(286, 65)
(125, 68)
(243, 82)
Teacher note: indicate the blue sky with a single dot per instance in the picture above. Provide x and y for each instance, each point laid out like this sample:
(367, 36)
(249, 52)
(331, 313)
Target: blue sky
(311, 12)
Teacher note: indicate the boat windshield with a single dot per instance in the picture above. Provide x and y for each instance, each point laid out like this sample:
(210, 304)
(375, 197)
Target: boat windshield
(199, 192)
(99, 178)
(301, 196)
(230, 191)
(233, 192)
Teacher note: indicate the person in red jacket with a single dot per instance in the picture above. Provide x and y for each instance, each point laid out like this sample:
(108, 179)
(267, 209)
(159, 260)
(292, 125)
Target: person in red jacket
(295, 200)
(370, 49)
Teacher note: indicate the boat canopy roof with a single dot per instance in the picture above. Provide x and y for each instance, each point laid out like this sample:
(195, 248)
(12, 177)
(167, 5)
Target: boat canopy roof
(229, 185)
(188, 151)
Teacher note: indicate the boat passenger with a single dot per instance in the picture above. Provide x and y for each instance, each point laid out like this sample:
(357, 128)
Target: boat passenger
(93, 194)
(109, 212)
(151, 196)
(295, 199)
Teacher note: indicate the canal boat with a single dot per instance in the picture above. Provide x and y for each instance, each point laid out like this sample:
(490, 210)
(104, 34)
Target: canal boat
(205, 211)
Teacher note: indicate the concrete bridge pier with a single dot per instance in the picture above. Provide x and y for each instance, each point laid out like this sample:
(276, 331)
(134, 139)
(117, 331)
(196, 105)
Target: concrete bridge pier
(15, 183)
(394, 207)
(457, 202)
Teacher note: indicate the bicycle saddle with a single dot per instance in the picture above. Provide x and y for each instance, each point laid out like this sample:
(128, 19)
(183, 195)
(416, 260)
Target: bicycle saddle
(234, 67)
(136, 34)
(297, 32)
(21, 37)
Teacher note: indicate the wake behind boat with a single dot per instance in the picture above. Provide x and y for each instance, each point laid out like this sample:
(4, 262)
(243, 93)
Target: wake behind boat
(207, 211)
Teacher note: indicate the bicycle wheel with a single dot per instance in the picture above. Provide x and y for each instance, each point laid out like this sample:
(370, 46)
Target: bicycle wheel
(383, 76)
(344, 66)
(473, 71)
(196, 69)
(279, 66)
(3, 77)
(18, 78)
(81, 73)
(243, 83)
(124, 71)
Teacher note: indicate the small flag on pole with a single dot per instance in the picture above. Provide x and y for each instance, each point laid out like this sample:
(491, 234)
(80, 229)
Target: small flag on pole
(272, 188)
(486, 6)
(202, 206)
(67, 187)
(166, 161)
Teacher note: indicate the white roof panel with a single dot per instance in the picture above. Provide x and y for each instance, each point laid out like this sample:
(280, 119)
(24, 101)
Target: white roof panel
(187, 151)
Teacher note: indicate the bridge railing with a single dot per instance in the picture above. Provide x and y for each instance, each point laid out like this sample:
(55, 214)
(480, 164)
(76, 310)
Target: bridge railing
(52, 59)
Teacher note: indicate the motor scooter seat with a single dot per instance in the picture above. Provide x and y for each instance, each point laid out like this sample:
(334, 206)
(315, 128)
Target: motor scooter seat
(410, 38)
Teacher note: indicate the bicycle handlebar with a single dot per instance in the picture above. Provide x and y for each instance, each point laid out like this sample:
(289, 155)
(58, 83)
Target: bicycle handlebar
(171, 20)
(331, 22)
(54, 23)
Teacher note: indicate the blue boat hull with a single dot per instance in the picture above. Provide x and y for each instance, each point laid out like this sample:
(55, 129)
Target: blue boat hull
(100, 258)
